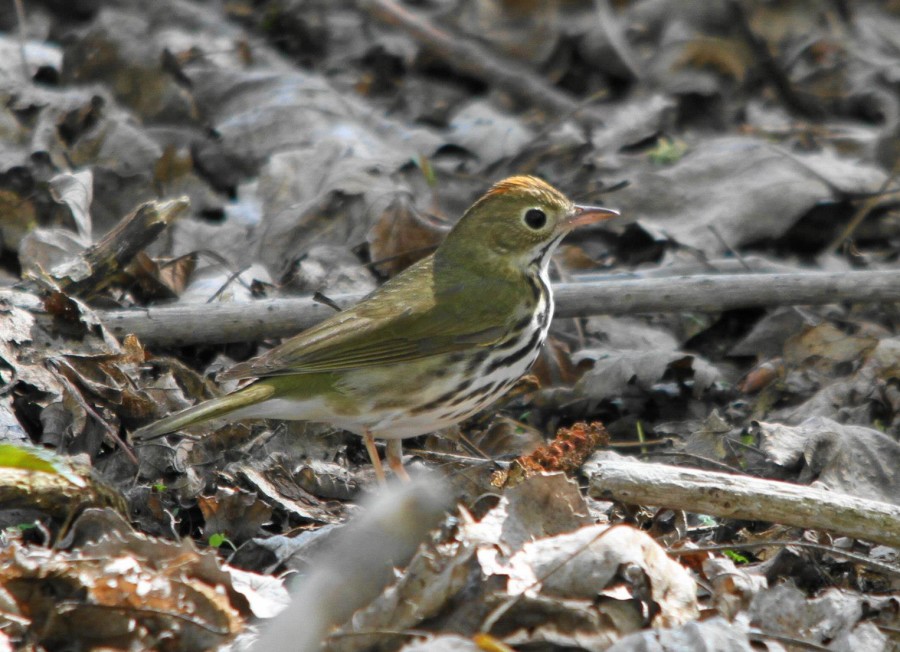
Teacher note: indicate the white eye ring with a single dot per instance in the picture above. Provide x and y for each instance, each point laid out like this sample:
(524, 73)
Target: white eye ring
(535, 219)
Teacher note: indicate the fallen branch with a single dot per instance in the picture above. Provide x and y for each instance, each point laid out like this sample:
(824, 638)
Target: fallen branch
(715, 293)
(57, 496)
(743, 497)
(219, 323)
(471, 58)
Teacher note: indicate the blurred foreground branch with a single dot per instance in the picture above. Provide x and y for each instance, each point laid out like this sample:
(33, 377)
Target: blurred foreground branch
(743, 497)
(353, 572)
(220, 323)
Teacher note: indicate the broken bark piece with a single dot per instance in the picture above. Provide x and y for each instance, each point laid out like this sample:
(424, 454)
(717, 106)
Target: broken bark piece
(100, 263)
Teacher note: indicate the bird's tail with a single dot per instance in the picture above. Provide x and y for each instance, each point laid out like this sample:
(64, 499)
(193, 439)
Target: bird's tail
(212, 409)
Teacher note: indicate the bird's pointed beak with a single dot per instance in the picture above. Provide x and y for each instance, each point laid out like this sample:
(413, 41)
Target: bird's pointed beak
(588, 215)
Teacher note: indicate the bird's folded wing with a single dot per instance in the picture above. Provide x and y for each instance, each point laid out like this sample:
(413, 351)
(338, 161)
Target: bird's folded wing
(353, 341)
(401, 322)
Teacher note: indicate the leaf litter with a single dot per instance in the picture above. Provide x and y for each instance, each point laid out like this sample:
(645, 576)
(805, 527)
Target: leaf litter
(323, 150)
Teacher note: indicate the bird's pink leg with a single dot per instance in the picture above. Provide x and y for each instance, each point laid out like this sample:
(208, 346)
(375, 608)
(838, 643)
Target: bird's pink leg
(394, 457)
(373, 455)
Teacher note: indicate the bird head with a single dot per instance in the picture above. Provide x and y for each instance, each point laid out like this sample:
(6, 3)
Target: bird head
(515, 224)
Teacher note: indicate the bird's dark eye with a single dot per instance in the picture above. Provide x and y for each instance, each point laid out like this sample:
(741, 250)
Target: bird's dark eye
(535, 218)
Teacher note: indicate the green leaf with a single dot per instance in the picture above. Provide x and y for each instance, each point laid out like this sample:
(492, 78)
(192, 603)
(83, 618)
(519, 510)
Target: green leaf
(736, 557)
(16, 456)
(667, 151)
(218, 539)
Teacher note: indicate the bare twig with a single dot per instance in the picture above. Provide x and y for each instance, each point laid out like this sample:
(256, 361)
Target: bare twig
(738, 496)
(556, 122)
(864, 209)
(734, 252)
(803, 105)
(21, 35)
(263, 319)
(756, 264)
(111, 432)
(711, 293)
(761, 636)
(889, 569)
(474, 59)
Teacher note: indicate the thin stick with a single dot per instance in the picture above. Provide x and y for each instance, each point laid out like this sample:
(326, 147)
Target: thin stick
(474, 59)
(803, 105)
(718, 236)
(882, 567)
(21, 35)
(186, 324)
(864, 209)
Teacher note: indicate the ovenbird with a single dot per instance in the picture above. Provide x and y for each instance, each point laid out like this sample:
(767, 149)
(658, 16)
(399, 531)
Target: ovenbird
(432, 346)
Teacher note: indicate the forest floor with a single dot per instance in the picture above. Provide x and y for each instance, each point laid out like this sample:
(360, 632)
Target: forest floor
(707, 453)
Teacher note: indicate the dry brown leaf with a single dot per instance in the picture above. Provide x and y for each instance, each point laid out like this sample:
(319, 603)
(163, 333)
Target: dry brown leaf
(401, 236)
(761, 376)
(525, 29)
(151, 281)
(554, 366)
(238, 515)
(116, 598)
(825, 347)
(172, 165)
(839, 457)
(729, 57)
